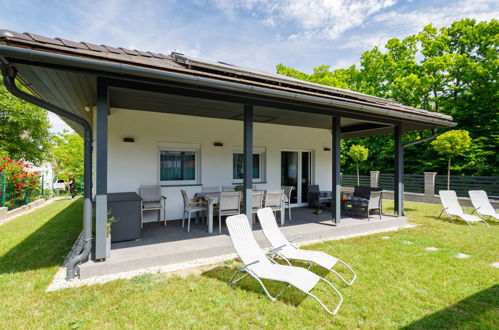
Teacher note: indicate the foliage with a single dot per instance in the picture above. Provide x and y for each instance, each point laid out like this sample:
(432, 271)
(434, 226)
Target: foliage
(452, 143)
(20, 179)
(391, 273)
(24, 128)
(359, 154)
(452, 70)
(67, 150)
(110, 220)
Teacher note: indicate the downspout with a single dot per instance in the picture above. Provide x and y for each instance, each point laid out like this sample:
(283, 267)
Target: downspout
(428, 138)
(9, 74)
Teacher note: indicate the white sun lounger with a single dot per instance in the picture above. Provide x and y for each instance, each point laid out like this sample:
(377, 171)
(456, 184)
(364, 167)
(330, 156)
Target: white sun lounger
(289, 251)
(482, 205)
(453, 209)
(259, 266)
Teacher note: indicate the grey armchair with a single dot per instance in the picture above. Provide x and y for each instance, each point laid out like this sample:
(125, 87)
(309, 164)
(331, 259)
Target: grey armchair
(374, 203)
(316, 197)
(152, 200)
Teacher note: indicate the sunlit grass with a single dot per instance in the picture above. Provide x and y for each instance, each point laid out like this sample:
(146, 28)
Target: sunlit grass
(399, 285)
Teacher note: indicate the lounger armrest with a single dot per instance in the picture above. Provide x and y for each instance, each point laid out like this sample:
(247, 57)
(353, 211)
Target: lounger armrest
(276, 249)
(295, 238)
(251, 263)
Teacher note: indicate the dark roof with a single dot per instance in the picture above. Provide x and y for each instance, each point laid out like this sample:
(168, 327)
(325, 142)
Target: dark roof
(177, 62)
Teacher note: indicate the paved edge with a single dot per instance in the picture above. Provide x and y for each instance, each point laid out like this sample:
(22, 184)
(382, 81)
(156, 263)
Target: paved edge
(185, 268)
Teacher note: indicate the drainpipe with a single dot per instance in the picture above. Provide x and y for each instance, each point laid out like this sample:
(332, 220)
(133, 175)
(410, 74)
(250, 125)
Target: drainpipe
(9, 74)
(428, 138)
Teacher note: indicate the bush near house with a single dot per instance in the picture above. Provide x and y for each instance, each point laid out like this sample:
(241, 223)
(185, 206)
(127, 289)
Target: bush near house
(18, 181)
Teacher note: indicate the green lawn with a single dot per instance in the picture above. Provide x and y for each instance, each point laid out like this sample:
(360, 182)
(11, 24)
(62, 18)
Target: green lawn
(399, 285)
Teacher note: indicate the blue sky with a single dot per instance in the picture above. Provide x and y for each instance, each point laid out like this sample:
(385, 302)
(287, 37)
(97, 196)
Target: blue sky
(253, 33)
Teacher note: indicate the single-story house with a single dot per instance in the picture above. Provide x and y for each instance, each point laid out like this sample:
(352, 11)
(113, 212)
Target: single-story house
(182, 123)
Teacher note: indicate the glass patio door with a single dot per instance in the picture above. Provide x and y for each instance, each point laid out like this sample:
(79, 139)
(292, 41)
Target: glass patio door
(296, 172)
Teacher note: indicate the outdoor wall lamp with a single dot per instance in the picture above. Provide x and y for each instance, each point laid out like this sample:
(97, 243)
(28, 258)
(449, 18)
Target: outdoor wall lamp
(218, 144)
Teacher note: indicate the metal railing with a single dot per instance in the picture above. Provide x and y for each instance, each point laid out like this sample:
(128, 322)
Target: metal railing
(415, 183)
(462, 184)
(351, 180)
(412, 182)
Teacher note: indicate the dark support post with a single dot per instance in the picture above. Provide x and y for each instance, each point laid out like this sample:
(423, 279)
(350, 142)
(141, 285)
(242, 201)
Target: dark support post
(336, 182)
(248, 160)
(101, 171)
(399, 172)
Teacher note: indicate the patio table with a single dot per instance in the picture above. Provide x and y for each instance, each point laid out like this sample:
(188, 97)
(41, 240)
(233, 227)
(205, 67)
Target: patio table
(211, 199)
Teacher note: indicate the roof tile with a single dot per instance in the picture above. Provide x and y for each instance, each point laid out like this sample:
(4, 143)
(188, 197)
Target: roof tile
(130, 52)
(13, 34)
(157, 55)
(72, 44)
(113, 49)
(146, 54)
(44, 40)
(95, 47)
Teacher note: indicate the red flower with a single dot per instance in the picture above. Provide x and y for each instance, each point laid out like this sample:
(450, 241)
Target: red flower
(11, 200)
(14, 178)
(26, 165)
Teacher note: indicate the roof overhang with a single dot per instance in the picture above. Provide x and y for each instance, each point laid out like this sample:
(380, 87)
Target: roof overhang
(70, 81)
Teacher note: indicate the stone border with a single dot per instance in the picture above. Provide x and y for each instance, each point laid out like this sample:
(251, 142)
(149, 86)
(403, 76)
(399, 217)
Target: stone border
(184, 268)
(7, 216)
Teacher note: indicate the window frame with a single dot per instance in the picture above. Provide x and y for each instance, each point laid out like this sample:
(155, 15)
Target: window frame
(256, 151)
(180, 147)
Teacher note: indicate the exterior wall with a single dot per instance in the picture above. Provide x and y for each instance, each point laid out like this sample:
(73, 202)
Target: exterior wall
(131, 165)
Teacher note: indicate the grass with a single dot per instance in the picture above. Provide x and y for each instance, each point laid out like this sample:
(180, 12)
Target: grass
(399, 285)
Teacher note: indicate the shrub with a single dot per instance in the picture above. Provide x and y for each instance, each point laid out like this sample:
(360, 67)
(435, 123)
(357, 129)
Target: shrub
(19, 180)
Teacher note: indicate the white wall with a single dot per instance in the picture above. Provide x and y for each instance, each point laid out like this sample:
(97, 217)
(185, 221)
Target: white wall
(133, 164)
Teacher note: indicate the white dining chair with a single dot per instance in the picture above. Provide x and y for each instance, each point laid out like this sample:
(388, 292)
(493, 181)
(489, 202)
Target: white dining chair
(274, 200)
(228, 204)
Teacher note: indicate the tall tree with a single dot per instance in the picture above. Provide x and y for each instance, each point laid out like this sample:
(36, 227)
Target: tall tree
(67, 149)
(452, 143)
(24, 128)
(359, 154)
(452, 70)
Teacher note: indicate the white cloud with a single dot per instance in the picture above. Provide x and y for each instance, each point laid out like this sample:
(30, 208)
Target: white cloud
(368, 41)
(322, 19)
(404, 23)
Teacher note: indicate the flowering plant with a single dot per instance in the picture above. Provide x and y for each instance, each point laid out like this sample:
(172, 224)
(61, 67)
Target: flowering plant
(19, 180)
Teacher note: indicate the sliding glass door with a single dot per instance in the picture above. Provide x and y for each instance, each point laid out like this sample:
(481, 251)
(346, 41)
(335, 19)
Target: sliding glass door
(296, 172)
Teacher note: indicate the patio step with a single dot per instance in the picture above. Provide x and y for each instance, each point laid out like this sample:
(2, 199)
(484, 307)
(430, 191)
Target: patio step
(131, 256)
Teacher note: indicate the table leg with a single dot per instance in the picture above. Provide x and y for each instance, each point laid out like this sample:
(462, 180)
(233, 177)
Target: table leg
(210, 217)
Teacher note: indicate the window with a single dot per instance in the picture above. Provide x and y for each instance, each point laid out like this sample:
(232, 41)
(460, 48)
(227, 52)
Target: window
(238, 167)
(178, 167)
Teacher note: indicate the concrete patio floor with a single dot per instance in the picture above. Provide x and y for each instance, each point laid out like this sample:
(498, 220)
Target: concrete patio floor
(161, 245)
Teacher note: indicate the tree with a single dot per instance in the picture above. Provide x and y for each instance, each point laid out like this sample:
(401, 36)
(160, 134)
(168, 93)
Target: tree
(67, 148)
(452, 143)
(359, 154)
(24, 129)
(452, 70)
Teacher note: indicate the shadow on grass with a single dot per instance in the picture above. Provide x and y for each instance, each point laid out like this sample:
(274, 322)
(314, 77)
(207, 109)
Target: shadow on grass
(291, 296)
(457, 221)
(49, 245)
(465, 314)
